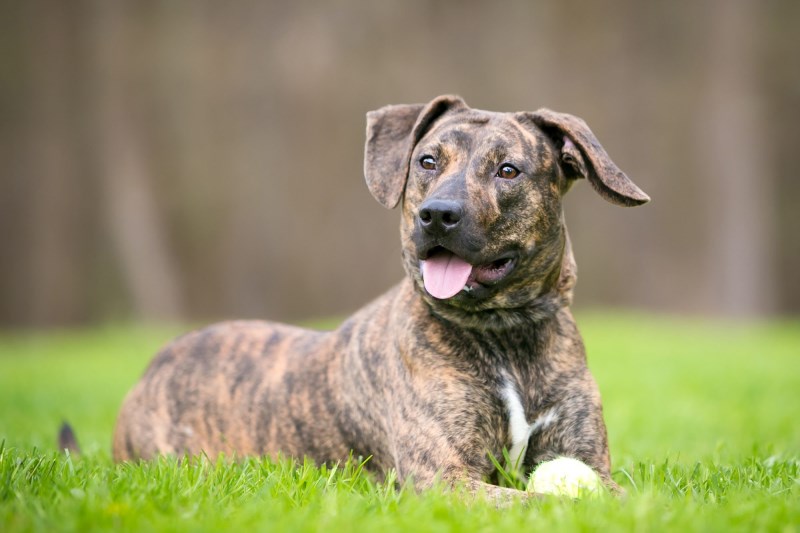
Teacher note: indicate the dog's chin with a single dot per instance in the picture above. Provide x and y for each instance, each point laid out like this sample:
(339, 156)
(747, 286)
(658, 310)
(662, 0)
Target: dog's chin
(475, 279)
(493, 297)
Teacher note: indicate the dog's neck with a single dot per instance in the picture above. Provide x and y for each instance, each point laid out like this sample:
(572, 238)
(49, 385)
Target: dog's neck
(507, 323)
(505, 320)
(508, 348)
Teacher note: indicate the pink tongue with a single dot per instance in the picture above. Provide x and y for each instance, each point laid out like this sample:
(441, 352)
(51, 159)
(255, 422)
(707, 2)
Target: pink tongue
(445, 274)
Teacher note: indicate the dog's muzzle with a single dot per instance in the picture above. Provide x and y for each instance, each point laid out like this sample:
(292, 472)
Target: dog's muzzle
(438, 218)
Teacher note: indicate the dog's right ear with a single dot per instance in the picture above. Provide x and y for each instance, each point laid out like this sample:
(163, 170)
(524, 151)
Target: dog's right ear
(392, 133)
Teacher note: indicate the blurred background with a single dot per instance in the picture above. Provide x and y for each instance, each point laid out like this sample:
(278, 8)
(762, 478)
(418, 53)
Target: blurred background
(190, 161)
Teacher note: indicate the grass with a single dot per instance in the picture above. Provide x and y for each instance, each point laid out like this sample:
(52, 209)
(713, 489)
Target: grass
(702, 419)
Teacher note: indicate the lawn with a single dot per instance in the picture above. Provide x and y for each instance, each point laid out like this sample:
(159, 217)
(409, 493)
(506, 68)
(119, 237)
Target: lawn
(703, 420)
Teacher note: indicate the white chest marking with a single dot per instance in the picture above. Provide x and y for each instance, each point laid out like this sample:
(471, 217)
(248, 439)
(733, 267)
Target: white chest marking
(518, 427)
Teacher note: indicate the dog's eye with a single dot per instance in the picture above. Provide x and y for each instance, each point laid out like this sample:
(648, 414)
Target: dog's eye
(508, 172)
(427, 162)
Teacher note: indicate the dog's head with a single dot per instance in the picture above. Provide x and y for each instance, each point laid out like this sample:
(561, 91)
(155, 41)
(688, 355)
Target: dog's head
(483, 234)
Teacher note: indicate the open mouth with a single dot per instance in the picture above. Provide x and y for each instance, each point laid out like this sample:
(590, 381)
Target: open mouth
(445, 274)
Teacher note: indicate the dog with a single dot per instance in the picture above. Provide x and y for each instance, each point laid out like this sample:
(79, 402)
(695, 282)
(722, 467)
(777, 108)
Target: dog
(474, 352)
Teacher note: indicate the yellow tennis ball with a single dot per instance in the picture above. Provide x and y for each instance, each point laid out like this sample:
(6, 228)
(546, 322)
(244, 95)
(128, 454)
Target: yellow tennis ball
(565, 476)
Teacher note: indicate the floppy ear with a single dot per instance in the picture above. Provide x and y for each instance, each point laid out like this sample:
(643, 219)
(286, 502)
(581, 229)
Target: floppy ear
(392, 133)
(582, 156)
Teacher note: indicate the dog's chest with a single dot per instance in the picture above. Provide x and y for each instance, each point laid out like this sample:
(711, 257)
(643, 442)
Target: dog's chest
(522, 424)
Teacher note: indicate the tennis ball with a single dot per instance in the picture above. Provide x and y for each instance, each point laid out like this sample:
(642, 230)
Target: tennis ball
(564, 476)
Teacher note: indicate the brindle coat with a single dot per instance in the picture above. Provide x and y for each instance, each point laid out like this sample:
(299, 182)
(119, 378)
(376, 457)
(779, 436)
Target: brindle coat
(424, 386)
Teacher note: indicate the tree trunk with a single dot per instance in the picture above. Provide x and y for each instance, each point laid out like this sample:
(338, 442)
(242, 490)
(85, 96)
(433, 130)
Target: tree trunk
(131, 211)
(732, 144)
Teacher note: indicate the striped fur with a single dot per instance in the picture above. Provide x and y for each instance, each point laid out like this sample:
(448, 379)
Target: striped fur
(428, 387)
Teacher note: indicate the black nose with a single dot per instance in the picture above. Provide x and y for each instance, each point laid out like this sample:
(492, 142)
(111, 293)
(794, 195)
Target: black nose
(438, 217)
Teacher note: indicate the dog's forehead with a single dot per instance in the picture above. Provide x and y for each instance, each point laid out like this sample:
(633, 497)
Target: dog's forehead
(473, 128)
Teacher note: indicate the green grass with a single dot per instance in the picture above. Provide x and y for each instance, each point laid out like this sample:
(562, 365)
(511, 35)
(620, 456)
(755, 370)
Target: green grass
(703, 421)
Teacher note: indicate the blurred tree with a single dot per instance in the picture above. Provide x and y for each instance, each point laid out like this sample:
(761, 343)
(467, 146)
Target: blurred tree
(199, 160)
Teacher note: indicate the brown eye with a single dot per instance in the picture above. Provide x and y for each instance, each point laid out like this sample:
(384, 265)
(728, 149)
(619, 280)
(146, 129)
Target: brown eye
(508, 172)
(428, 163)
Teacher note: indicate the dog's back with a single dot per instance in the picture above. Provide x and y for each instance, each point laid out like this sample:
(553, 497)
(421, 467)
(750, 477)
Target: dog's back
(212, 390)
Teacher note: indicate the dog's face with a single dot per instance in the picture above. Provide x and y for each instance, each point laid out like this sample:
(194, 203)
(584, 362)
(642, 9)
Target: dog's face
(482, 227)
(482, 212)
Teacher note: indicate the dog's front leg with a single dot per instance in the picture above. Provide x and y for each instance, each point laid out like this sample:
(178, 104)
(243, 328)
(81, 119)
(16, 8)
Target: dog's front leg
(501, 497)
(574, 427)
(425, 460)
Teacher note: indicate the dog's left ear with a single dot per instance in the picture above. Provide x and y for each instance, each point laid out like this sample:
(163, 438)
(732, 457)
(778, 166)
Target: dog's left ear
(392, 133)
(583, 156)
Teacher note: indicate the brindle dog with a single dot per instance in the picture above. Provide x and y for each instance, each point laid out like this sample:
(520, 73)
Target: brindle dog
(474, 351)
